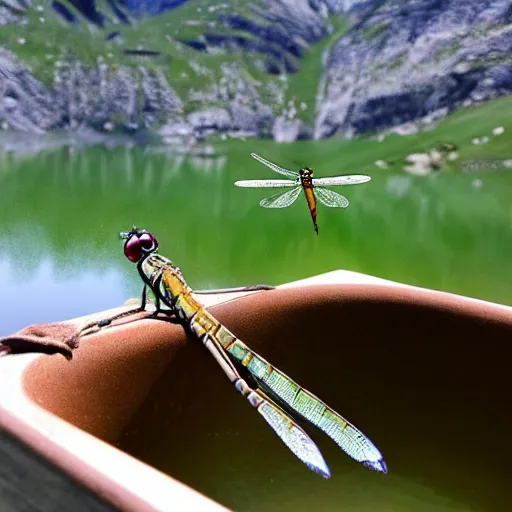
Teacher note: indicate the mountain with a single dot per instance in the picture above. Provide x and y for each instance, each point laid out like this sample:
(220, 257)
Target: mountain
(192, 67)
(407, 60)
(285, 69)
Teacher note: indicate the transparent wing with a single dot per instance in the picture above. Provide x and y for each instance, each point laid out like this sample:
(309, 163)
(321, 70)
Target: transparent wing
(350, 439)
(330, 198)
(281, 200)
(285, 427)
(265, 183)
(291, 434)
(354, 179)
(276, 168)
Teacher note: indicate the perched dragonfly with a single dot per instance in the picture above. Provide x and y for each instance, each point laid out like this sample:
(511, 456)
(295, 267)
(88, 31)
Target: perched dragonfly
(268, 386)
(303, 180)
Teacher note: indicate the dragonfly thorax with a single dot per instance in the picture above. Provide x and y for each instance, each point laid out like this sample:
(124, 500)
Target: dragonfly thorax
(306, 176)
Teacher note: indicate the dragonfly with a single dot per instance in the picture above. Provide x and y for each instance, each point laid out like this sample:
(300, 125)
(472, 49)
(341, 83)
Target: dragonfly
(303, 180)
(275, 396)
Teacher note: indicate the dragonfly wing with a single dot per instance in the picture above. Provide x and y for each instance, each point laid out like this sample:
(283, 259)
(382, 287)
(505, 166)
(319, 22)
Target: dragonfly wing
(290, 433)
(281, 200)
(276, 168)
(331, 198)
(265, 183)
(285, 427)
(350, 439)
(354, 179)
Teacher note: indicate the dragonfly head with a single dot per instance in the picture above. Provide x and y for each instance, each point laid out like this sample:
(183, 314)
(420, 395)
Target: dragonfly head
(139, 244)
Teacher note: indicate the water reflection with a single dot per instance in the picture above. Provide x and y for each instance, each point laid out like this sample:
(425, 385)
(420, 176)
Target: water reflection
(47, 294)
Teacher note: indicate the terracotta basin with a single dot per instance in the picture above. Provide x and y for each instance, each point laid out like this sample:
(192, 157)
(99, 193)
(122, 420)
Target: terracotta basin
(146, 420)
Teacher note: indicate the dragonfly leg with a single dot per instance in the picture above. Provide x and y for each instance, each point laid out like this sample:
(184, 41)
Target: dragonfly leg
(171, 318)
(158, 305)
(253, 288)
(95, 326)
(106, 322)
(143, 298)
(169, 315)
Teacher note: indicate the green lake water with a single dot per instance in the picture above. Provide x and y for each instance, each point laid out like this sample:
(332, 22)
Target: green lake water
(61, 213)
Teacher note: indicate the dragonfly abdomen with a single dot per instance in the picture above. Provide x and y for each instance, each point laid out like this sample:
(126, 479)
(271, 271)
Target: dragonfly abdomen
(311, 199)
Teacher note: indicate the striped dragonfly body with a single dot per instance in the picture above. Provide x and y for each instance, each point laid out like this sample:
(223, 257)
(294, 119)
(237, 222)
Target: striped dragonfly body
(270, 391)
(303, 181)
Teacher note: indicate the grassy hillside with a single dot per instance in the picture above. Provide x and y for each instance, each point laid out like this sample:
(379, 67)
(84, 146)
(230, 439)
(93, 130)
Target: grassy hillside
(46, 39)
(360, 154)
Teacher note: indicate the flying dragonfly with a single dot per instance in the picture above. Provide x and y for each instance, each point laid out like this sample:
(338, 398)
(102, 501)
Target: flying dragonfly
(303, 180)
(272, 393)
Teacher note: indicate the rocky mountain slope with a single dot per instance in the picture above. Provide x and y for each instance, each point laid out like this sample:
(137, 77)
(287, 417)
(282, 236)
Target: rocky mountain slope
(285, 69)
(405, 60)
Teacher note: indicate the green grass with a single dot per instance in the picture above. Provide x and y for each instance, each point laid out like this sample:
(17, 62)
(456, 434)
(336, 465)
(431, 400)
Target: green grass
(46, 42)
(449, 50)
(303, 86)
(52, 40)
(397, 62)
(370, 33)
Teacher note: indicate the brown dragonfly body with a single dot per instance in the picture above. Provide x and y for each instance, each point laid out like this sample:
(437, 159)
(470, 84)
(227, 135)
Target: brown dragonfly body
(306, 180)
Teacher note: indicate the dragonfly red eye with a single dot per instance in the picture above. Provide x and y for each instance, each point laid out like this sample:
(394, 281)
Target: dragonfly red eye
(133, 248)
(148, 242)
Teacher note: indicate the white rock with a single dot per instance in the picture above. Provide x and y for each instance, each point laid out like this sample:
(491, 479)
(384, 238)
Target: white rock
(405, 129)
(10, 104)
(461, 67)
(435, 156)
(285, 130)
(214, 117)
(421, 158)
(382, 164)
(418, 169)
(478, 96)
